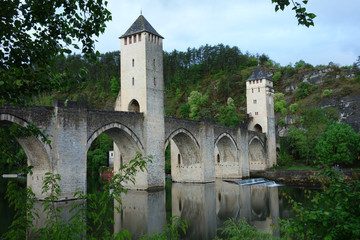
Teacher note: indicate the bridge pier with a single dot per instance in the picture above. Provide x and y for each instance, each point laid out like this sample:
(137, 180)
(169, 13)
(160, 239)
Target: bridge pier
(68, 141)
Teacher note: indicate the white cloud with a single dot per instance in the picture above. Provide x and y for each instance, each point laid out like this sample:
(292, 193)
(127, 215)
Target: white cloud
(252, 25)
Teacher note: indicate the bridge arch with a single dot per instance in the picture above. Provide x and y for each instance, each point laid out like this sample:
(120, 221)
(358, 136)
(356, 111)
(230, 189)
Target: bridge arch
(226, 156)
(37, 153)
(257, 156)
(187, 145)
(124, 139)
(185, 156)
(115, 130)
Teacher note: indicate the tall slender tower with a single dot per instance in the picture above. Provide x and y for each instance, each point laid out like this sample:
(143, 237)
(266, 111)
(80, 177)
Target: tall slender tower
(260, 107)
(142, 90)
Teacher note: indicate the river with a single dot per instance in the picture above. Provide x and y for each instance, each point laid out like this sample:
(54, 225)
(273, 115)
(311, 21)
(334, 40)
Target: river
(205, 206)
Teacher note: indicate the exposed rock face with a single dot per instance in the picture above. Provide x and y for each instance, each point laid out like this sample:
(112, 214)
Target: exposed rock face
(348, 108)
(346, 104)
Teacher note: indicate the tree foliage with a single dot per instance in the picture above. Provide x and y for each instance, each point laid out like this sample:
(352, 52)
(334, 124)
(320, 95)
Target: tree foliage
(334, 213)
(304, 18)
(33, 33)
(339, 145)
(280, 103)
(97, 155)
(229, 116)
(197, 103)
(93, 219)
(303, 140)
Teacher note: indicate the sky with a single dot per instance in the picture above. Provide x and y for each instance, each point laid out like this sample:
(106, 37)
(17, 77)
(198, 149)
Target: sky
(251, 25)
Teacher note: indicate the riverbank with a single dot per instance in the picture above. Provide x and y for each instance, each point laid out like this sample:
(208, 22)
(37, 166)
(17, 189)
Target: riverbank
(299, 177)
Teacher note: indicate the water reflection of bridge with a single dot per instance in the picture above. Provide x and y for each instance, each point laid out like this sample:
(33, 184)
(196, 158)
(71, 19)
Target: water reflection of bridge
(205, 206)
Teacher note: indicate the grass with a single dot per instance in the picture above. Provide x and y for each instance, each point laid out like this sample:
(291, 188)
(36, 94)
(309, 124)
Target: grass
(296, 167)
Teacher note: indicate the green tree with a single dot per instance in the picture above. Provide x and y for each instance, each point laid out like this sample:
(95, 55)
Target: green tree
(276, 77)
(33, 33)
(303, 90)
(280, 103)
(314, 123)
(340, 144)
(115, 86)
(197, 103)
(97, 155)
(228, 114)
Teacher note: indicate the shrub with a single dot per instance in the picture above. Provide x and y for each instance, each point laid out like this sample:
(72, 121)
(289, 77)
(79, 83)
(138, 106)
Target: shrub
(285, 159)
(327, 92)
(303, 90)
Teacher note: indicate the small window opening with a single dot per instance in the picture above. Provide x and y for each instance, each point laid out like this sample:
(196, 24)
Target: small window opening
(258, 89)
(125, 40)
(140, 37)
(179, 159)
(134, 38)
(154, 81)
(133, 81)
(254, 101)
(133, 62)
(252, 90)
(130, 40)
(218, 158)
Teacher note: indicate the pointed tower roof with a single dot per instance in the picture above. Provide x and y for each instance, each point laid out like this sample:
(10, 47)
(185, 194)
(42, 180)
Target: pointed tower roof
(258, 74)
(140, 25)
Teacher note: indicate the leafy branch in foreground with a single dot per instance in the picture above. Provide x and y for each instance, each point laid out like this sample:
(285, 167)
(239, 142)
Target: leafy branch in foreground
(91, 213)
(335, 213)
(33, 33)
(304, 18)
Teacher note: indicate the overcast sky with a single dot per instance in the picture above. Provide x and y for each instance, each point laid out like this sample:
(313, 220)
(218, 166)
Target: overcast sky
(251, 25)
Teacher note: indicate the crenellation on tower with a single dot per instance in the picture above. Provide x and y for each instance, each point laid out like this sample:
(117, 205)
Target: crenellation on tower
(142, 90)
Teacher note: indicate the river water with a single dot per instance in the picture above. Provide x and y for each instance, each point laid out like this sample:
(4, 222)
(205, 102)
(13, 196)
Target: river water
(204, 206)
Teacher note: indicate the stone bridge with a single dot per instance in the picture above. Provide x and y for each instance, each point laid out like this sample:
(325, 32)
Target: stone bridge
(200, 150)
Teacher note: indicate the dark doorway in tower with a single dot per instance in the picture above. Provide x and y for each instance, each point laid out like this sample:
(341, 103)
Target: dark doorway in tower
(134, 106)
(258, 128)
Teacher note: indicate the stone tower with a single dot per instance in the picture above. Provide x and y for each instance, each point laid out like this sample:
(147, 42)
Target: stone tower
(142, 90)
(260, 108)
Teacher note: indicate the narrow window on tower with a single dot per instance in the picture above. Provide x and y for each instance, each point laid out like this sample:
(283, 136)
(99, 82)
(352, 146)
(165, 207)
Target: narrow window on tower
(134, 38)
(249, 82)
(154, 64)
(125, 40)
(252, 90)
(155, 82)
(254, 101)
(256, 113)
(257, 81)
(260, 80)
(258, 89)
(130, 39)
(140, 37)
(133, 63)
(133, 81)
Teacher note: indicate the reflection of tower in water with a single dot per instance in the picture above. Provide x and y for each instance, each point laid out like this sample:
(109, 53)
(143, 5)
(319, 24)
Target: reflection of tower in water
(142, 212)
(195, 203)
